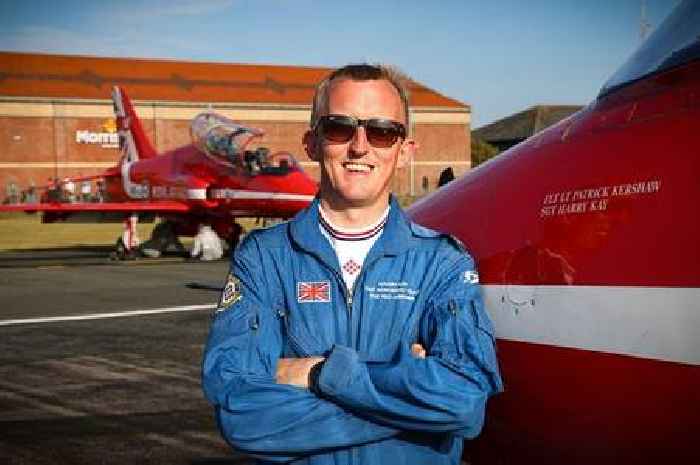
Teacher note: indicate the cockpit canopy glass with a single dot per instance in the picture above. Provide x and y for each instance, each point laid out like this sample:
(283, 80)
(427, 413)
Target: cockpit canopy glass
(675, 42)
(227, 142)
(222, 138)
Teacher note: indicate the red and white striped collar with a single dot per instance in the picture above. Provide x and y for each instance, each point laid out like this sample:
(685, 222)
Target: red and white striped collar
(345, 234)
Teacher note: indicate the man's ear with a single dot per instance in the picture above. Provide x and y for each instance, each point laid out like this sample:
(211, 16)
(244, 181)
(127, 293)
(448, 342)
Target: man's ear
(407, 152)
(310, 142)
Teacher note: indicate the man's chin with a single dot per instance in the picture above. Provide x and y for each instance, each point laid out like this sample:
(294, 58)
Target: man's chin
(360, 200)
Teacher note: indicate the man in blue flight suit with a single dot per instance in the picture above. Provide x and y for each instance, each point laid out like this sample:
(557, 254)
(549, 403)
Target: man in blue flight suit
(350, 335)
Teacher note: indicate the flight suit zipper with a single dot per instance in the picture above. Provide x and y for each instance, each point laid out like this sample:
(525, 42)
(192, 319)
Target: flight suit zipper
(349, 292)
(350, 297)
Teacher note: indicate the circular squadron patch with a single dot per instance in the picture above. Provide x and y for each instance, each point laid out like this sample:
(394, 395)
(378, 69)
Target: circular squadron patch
(231, 294)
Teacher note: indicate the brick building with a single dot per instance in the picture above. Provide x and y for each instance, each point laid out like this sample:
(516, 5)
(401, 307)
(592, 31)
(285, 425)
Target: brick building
(56, 116)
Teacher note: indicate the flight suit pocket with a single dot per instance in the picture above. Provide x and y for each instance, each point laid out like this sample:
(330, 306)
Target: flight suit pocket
(486, 338)
(463, 333)
(238, 328)
(298, 343)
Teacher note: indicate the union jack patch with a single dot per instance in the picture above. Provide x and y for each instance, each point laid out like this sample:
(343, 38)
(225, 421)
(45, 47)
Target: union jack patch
(316, 291)
(231, 294)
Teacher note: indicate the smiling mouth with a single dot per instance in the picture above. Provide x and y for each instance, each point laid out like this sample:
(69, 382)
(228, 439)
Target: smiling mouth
(358, 167)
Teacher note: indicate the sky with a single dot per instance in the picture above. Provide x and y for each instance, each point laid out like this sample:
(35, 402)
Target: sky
(498, 56)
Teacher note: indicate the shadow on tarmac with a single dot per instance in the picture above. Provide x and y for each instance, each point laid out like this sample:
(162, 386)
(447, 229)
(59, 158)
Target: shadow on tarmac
(77, 256)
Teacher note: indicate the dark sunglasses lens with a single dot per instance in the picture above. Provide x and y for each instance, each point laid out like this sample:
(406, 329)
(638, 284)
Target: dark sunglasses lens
(382, 133)
(338, 129)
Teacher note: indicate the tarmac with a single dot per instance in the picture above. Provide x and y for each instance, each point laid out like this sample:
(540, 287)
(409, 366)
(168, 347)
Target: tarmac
(100, 360)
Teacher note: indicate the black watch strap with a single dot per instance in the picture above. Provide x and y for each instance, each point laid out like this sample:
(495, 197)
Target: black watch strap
(314, 374)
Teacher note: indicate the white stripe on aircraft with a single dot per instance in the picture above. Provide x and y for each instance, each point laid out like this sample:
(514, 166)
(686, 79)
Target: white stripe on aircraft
(661, 323)
(253, 195)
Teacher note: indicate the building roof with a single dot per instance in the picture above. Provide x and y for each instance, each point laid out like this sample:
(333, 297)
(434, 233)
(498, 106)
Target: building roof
(522, 125)
(65, 76)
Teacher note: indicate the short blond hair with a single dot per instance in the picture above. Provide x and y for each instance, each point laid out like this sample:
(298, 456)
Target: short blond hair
(360, 72)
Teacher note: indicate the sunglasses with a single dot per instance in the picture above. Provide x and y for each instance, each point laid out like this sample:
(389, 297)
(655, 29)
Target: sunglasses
(381, 133)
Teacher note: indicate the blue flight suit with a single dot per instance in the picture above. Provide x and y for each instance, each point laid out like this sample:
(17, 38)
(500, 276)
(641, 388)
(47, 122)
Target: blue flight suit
(374, 402)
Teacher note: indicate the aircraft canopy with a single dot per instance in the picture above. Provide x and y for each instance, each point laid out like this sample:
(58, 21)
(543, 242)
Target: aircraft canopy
(226, 141)
(675, 42)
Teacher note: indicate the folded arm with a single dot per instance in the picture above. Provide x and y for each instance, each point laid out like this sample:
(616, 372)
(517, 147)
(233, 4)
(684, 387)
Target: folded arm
(444, 392)
(257, 414)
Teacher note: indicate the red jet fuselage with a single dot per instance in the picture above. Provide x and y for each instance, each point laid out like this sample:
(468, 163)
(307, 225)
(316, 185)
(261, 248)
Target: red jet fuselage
(215, 190)
(211, 181)
(587, 239)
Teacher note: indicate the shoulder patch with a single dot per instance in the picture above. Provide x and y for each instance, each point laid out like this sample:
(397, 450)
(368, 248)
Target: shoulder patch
(470, 277)
(231, 293)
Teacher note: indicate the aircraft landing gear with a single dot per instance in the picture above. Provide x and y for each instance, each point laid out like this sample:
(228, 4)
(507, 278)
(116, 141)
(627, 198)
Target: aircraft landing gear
(234, 237)
(122, 253)
(127, 247)
(163, 240)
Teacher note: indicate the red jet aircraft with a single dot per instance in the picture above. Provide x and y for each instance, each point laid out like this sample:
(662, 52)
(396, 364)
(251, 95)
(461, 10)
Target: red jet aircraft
(587, 240)
(212, 181)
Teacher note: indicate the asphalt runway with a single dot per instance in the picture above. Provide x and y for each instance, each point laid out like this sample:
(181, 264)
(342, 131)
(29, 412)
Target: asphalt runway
(100, 360)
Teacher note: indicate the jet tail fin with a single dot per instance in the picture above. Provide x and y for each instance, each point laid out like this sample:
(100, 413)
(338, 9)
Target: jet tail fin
(132, 138)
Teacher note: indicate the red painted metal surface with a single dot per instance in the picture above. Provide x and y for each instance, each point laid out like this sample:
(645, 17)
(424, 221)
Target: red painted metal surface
(605, 197)
(608, 200)
(581, 407)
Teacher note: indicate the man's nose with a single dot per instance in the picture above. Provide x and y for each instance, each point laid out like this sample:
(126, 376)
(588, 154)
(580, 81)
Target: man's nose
(359, 145)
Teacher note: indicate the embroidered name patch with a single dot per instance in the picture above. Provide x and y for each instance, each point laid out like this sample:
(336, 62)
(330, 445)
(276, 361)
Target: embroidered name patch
(391, 290)
(231, 294)
(314, 291)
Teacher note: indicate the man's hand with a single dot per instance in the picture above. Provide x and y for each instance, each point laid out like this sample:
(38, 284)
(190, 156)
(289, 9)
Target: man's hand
(418, 351)
(295, 371)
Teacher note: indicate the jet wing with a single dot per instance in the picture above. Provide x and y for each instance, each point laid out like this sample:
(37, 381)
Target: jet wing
(97, 207)
(99, 212)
